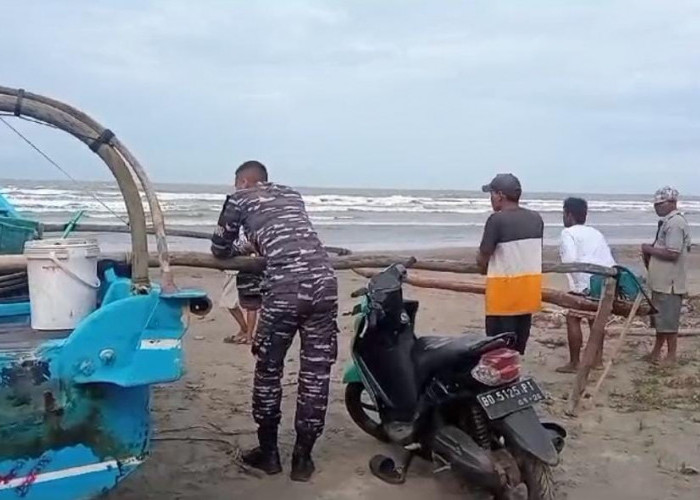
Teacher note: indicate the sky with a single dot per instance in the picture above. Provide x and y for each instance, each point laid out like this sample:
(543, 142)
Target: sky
(575, 96)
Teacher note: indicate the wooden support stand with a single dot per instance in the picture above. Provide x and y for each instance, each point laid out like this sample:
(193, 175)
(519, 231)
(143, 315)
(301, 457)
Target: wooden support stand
(618, 348)
(595, 342)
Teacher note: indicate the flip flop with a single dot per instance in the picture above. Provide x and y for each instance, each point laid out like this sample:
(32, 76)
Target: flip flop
(235, 339)
(649, 359)
(566, 369)
(385, 469)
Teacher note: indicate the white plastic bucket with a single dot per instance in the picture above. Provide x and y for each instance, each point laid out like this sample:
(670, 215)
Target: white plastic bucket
(62, 275)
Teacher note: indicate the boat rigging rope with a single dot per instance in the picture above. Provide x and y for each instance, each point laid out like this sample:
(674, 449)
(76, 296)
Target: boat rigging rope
(55, 164)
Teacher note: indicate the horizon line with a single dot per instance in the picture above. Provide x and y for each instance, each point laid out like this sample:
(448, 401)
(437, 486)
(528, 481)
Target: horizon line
(349, 188)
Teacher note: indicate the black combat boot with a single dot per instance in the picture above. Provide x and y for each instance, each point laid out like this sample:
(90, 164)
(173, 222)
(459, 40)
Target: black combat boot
(265, 457)
(302, 465)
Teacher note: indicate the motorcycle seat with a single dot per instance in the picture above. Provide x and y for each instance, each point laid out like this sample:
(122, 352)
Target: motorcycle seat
(431, 354)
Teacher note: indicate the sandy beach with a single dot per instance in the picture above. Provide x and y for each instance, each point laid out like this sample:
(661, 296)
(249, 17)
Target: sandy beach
(641, 441)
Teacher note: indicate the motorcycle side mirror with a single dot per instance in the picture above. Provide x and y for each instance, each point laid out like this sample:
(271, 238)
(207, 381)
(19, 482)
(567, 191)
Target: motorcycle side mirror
(403, 268)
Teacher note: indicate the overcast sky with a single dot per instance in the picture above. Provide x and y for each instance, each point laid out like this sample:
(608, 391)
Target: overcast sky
(595, 96)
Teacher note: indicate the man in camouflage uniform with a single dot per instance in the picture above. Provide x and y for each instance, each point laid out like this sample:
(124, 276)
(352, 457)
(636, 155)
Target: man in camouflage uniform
(300, 292)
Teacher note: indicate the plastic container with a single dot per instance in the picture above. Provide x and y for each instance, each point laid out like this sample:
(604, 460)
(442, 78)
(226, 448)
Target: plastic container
(63, 283)
(15, 232)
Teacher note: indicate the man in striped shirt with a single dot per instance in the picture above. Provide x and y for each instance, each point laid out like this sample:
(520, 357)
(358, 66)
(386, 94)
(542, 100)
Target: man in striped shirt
(510, 255)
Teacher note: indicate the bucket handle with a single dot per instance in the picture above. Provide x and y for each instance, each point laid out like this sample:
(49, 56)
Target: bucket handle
(94, 284)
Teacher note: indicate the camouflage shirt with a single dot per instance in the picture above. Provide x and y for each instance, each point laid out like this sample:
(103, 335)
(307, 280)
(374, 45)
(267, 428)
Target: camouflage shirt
(275, 220)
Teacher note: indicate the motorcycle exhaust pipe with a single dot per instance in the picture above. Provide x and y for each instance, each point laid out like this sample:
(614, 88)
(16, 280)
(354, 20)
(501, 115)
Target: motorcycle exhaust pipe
(557, 434)
(467, 458)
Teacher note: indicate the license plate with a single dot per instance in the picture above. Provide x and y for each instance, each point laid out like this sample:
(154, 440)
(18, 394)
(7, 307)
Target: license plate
(506, 400)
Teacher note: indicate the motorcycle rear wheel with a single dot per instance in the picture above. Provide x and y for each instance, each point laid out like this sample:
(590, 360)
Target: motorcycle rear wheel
(358, 411)
(538, 477)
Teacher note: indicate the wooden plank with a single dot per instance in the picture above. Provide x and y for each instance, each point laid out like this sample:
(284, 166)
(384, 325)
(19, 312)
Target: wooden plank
(595, 342)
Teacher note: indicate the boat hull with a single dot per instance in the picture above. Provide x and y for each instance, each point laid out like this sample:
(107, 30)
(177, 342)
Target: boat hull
(75, 406)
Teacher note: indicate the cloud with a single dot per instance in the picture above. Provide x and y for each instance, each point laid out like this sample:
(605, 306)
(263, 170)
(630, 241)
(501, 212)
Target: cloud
(362, 93)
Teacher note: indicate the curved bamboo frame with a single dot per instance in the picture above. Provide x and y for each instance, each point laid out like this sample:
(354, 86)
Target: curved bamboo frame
(126, 169)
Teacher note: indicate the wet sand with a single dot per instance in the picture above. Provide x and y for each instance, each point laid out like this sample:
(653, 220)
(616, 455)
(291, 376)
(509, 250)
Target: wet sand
(638, 442)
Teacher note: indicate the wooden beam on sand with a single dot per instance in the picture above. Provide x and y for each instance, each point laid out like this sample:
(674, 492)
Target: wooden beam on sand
(557, 297)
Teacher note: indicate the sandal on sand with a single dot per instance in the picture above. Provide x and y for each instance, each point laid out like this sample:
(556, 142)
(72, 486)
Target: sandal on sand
(649, 359)
(666, 363)
(385, 469)
(567, 369)
(235, 339)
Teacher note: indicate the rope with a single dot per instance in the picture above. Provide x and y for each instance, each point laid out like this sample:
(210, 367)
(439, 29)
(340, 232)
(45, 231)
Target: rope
(61, 169)
(88, 138)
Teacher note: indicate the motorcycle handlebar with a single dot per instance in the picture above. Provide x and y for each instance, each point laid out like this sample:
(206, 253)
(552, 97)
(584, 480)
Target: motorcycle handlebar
(359, 292)
(364, 291)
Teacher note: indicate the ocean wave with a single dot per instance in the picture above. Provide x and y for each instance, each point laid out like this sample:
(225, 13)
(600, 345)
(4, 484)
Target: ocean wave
(47, 200)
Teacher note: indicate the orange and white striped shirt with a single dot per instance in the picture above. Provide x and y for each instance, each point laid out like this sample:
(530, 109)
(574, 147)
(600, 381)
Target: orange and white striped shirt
(513, 240)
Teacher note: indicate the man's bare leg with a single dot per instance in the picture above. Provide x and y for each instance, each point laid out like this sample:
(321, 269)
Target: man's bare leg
(252, 322)
(237, 314)
(575, 337)
(672, 343)
(655, 354)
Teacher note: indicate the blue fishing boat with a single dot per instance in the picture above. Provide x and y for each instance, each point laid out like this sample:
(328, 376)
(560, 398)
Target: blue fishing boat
(75, 400)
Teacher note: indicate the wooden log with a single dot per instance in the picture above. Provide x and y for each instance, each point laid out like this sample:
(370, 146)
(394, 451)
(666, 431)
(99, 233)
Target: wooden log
(618, 347)
(12, 263)
(551, 296)
(202, 259)
(464, 267)
(595, 342)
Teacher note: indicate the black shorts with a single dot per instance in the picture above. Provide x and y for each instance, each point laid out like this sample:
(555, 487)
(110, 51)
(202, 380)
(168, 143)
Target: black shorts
(495, 325)
(249, 293)
(248, 284)
(250, 302)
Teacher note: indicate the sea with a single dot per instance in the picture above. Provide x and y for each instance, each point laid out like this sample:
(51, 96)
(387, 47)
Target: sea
(358, 219)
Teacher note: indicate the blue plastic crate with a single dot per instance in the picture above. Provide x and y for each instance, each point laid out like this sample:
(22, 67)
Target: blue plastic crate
(14, 233)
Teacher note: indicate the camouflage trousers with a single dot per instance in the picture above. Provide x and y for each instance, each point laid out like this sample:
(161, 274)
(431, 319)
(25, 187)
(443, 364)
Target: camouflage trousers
(311, 308)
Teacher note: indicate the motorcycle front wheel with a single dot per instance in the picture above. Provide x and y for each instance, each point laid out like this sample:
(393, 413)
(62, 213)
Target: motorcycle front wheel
(363, 411)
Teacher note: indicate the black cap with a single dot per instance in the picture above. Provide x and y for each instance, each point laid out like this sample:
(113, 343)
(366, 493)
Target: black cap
(507, 184)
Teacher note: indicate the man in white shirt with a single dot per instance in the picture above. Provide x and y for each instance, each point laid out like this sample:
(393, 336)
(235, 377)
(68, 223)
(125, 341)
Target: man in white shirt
(580, 243)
